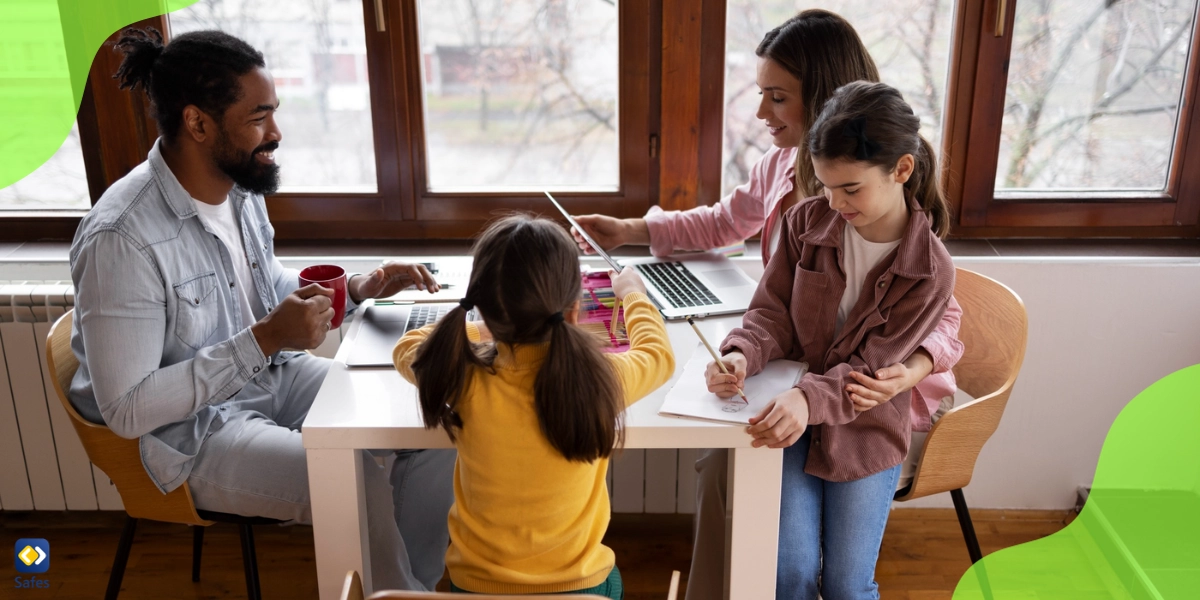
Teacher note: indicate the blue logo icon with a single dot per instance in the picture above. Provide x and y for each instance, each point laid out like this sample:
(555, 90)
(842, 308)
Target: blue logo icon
(32, 555)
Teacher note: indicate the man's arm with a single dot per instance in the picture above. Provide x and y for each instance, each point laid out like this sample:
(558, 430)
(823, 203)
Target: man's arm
(122, 307)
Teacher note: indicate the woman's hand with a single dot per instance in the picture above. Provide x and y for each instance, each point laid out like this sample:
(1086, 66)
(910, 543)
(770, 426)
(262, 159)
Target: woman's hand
(889, 382)
(610, 232)
(626, 282)
(782, 422)
(727, 385)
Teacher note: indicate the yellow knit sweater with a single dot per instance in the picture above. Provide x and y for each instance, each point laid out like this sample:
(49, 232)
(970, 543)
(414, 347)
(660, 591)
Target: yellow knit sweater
(525, 520)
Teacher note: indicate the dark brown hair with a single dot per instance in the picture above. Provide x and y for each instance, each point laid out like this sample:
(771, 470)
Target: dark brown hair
(526, 273)
(823, 51)
(871, 123)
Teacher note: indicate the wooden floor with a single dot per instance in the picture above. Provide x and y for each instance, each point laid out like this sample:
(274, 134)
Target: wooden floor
(922, 558)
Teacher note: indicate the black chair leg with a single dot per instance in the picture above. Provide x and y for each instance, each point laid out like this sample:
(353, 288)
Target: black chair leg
(118, 569)
(197, 550)
(250, 562)
(964, 521)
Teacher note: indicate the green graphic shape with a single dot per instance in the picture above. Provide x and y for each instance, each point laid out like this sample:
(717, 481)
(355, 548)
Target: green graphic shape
(1138, 536)
(46, 50)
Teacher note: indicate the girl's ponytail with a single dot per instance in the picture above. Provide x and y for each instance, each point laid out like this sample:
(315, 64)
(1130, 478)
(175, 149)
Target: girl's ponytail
(442, 368)
(577, 396)
(524, 278)
(925, 187)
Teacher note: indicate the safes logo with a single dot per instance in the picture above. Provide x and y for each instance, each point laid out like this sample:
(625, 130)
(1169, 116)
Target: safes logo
(32, 555)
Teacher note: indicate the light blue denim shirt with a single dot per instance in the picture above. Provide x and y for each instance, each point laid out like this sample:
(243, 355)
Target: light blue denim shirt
(157, 329)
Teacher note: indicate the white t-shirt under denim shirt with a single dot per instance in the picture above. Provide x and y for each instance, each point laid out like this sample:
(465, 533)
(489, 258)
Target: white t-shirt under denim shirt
(858, 258)
(220, 220)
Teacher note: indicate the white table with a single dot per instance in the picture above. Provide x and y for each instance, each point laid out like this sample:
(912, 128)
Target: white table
(375, 408)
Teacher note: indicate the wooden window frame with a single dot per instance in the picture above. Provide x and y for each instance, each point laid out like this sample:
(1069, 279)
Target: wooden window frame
(402, 207)
(974, 114)
(671, 158)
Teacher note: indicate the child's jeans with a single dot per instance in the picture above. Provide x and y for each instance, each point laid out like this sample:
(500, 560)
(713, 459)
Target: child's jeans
(830, 532)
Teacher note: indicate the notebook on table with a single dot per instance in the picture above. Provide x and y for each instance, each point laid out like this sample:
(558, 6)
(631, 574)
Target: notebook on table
(690, 398)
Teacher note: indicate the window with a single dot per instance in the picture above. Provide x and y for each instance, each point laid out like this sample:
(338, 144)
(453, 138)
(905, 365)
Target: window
(424, 119)
(520, 95)
(1093, 98)
(1095, 131)
(60, 183)
(910, 42)
(316, 51)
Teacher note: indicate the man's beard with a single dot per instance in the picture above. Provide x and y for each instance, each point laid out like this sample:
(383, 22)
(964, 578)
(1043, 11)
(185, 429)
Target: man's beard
(244, 169)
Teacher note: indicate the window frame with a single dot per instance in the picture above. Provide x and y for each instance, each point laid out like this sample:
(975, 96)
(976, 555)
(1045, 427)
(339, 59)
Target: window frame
(974, 116)
(679, 82)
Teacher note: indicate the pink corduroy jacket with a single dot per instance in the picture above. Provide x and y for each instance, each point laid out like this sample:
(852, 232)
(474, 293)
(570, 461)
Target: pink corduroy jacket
(792, 316)
(754, 206)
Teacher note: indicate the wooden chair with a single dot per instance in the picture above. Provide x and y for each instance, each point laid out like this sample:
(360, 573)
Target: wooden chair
(121, 460)
(353, 590)
(994, 330)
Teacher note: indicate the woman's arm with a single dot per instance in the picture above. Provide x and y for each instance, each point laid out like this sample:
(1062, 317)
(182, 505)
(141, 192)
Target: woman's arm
(735, 218)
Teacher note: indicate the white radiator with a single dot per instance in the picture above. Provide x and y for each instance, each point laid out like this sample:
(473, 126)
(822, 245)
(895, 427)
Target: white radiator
(43, 465)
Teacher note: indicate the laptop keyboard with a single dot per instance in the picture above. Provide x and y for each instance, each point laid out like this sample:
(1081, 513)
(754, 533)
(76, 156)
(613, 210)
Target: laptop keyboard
(422, 315)
(678, 284)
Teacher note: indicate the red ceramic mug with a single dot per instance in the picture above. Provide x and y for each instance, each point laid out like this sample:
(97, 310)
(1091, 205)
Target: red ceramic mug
(331, 277)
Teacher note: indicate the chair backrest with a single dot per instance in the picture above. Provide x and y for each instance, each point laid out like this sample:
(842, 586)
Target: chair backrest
(398, 595)
(119, 458)
(352, 589)
(994, 330)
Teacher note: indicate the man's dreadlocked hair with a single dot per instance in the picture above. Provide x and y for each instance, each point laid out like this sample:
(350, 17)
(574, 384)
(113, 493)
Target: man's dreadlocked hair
(199, 68)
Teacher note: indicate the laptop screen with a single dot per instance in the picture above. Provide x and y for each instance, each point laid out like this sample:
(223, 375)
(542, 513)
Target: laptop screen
(608, 259)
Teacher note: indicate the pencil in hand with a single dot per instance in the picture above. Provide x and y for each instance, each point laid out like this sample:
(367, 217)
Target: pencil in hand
(720, 364)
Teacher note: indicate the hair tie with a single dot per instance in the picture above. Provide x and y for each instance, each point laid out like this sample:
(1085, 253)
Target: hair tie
(856, 129)
(466, 305)
(555, 318)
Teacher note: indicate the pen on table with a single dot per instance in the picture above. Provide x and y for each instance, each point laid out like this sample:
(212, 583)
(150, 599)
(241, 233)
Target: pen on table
(720, 364)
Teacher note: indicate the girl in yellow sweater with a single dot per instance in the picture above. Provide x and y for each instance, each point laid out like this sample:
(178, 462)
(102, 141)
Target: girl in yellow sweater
(534, 408)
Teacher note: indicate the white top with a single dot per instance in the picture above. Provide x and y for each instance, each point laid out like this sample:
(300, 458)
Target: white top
(858, 258)
(220, 220)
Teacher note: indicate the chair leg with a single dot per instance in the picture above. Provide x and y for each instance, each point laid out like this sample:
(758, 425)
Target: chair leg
(964, 521)
(197, 550)
(250, 562)
(118, 569)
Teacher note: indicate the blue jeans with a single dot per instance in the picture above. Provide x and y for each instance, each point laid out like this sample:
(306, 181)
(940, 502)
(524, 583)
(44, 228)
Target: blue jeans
(830, 532)
(254, 463)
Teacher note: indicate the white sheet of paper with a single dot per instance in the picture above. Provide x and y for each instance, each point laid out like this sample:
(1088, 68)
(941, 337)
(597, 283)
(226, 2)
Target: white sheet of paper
(691, 399)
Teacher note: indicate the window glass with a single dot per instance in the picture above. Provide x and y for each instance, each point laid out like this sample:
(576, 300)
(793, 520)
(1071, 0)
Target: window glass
(520, 94)
(1094, 89)
(60, 183)
(316, 51)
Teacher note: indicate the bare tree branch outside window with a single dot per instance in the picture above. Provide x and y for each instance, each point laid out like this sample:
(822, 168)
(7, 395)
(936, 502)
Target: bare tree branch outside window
(909, 42)
(520, 93)
(1093, 93)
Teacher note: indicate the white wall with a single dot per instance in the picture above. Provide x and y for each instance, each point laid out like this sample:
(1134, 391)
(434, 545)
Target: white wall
(1101, 330)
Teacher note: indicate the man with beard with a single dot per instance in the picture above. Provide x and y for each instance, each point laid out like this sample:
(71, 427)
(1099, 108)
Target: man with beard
(183, 313)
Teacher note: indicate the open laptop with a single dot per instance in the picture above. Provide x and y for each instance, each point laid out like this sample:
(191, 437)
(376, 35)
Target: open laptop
(691, 285)
(384, 322)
